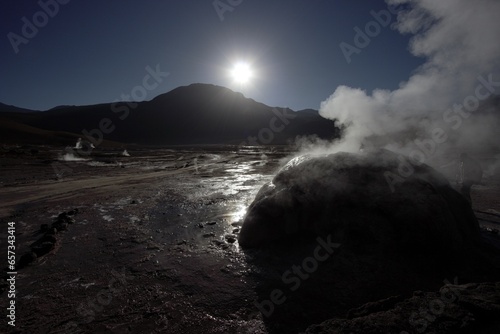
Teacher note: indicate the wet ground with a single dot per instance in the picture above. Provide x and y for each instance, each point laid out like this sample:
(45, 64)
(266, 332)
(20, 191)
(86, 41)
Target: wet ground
(153, 246)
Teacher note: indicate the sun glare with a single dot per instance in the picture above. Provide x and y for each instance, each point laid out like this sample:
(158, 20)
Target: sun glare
(241, 73)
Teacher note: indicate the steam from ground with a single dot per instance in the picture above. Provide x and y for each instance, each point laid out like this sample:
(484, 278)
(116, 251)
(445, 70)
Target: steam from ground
(439, 110)
(71, 157)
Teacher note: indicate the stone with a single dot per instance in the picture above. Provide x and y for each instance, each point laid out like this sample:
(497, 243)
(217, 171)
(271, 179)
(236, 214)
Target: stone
(26, 259)
(230, 238)
(65, 217)
(469, 308)
(60, 225)
(73, 212)
(218, 242)
(349, 197)
(48, 238)
(51, 231)
(42, 247)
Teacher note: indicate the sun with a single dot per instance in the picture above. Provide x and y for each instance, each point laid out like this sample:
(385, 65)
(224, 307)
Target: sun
(241, 73)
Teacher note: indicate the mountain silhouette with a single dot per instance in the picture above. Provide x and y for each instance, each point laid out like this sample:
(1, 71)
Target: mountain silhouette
(194, 114)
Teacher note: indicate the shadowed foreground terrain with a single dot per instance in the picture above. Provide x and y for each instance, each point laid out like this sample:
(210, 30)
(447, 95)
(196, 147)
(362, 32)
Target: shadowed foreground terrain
(148, 244)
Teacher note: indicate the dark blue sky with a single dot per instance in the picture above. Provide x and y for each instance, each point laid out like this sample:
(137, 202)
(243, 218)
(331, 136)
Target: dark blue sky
(95, 51)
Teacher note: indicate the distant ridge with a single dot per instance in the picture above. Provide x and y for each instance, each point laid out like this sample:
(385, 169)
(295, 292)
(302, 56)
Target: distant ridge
(9, 108)
(62, 107)
(194, 114)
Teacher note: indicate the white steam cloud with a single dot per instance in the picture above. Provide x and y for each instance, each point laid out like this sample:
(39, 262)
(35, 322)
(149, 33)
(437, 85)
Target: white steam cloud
(447, 105)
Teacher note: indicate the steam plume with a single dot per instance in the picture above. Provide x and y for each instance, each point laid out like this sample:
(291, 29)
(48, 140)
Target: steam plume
(452, 92)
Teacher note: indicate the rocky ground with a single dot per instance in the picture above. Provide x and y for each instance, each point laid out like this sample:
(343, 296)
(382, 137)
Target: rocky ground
(148, 244)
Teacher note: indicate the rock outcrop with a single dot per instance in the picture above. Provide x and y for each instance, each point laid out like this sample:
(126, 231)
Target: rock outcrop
(364, 201)
(468, 308)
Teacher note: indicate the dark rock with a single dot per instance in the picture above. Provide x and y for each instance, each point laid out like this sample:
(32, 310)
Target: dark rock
(44, 227)
(65, 218)
(41, 248)
(48, 238)
(60, 225)
(26, 259)
(51, 231)
(62, 216)
(218, 242)
(212, 223)
(352, 198)
(73, 212)
(230, 238)
(469, 308)
(374, 307)
(200, 225)
(394, 240)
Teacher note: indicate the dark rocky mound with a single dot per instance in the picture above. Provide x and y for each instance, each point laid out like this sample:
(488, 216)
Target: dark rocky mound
(349, 196)
(48, 241)
(469, 308)
(393, 241)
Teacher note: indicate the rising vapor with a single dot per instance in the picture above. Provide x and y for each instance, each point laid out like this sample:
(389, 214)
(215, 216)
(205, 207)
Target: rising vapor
(447, 104)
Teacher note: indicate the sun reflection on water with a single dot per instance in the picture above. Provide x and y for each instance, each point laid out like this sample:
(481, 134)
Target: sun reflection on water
(240, 213)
